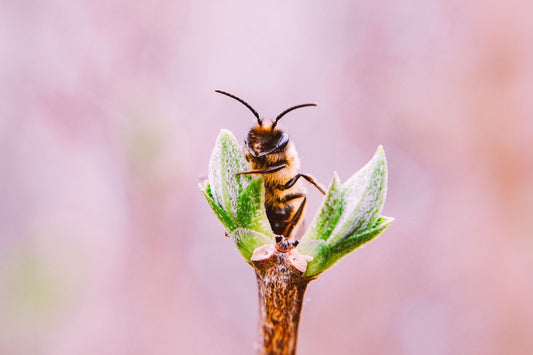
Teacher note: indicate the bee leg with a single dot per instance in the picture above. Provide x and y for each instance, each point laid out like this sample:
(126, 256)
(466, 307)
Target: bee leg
(295, 218)
(284, 245)
(309, 178)
(267, 171)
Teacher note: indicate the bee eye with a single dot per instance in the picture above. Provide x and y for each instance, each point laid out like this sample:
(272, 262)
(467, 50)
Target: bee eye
(282, 142)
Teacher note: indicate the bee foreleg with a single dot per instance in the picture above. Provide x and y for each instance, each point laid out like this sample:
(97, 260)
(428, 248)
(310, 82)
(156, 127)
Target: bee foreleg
(295, 218)
(309, 178)
(267, 171)
(289, 197)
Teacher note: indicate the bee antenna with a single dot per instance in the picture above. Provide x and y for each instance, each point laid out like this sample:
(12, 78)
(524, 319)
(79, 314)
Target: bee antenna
(259, 122)
(289, 110)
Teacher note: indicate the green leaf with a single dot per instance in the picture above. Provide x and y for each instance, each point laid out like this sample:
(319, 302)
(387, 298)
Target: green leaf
(226, 161)
(237, 201)
(222, 215)
(248, 240)
(324, 257)
(329, 213)
(321, 253)
(348, 217)
(353, 242)
(251, 211)
(364, 195)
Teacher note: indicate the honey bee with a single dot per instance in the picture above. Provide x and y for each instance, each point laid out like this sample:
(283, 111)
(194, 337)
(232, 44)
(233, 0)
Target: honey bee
(271, 154)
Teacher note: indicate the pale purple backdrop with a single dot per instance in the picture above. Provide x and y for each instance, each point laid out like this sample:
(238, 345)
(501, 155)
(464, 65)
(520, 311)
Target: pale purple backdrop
(107, 121)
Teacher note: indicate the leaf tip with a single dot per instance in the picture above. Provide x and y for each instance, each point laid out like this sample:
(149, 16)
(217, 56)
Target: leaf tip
(225, 132)
(225, 135)
(387, 221)
(202, 185)
(380, 153)
(336, 178)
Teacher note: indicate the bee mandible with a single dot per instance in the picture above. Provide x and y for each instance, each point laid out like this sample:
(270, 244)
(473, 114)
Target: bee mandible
(271, 154)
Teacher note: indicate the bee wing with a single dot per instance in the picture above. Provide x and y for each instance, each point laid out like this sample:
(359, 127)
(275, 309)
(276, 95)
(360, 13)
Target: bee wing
(300, 230)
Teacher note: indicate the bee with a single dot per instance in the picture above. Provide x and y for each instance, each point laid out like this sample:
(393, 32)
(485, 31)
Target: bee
(271, 154)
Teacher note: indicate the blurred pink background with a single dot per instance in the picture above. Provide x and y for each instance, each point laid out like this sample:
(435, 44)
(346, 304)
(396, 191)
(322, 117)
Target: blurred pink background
(107, 121)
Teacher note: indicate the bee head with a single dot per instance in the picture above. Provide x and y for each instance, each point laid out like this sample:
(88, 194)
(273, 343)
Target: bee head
(264, 138)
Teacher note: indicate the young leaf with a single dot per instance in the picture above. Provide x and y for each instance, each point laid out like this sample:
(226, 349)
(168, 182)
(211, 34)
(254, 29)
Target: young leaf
(321, 253)
(353, 242)
(226, 161)
(237, 200)
(250, 210)
(348, 217)
(248, 240)
(364, 195)
(221, 214)
(329, 213)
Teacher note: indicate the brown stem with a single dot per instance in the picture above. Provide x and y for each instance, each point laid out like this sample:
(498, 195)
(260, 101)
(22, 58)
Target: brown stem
(281, 291)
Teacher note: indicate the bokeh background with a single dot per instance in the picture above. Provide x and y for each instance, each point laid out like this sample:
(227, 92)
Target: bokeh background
(108, 118)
